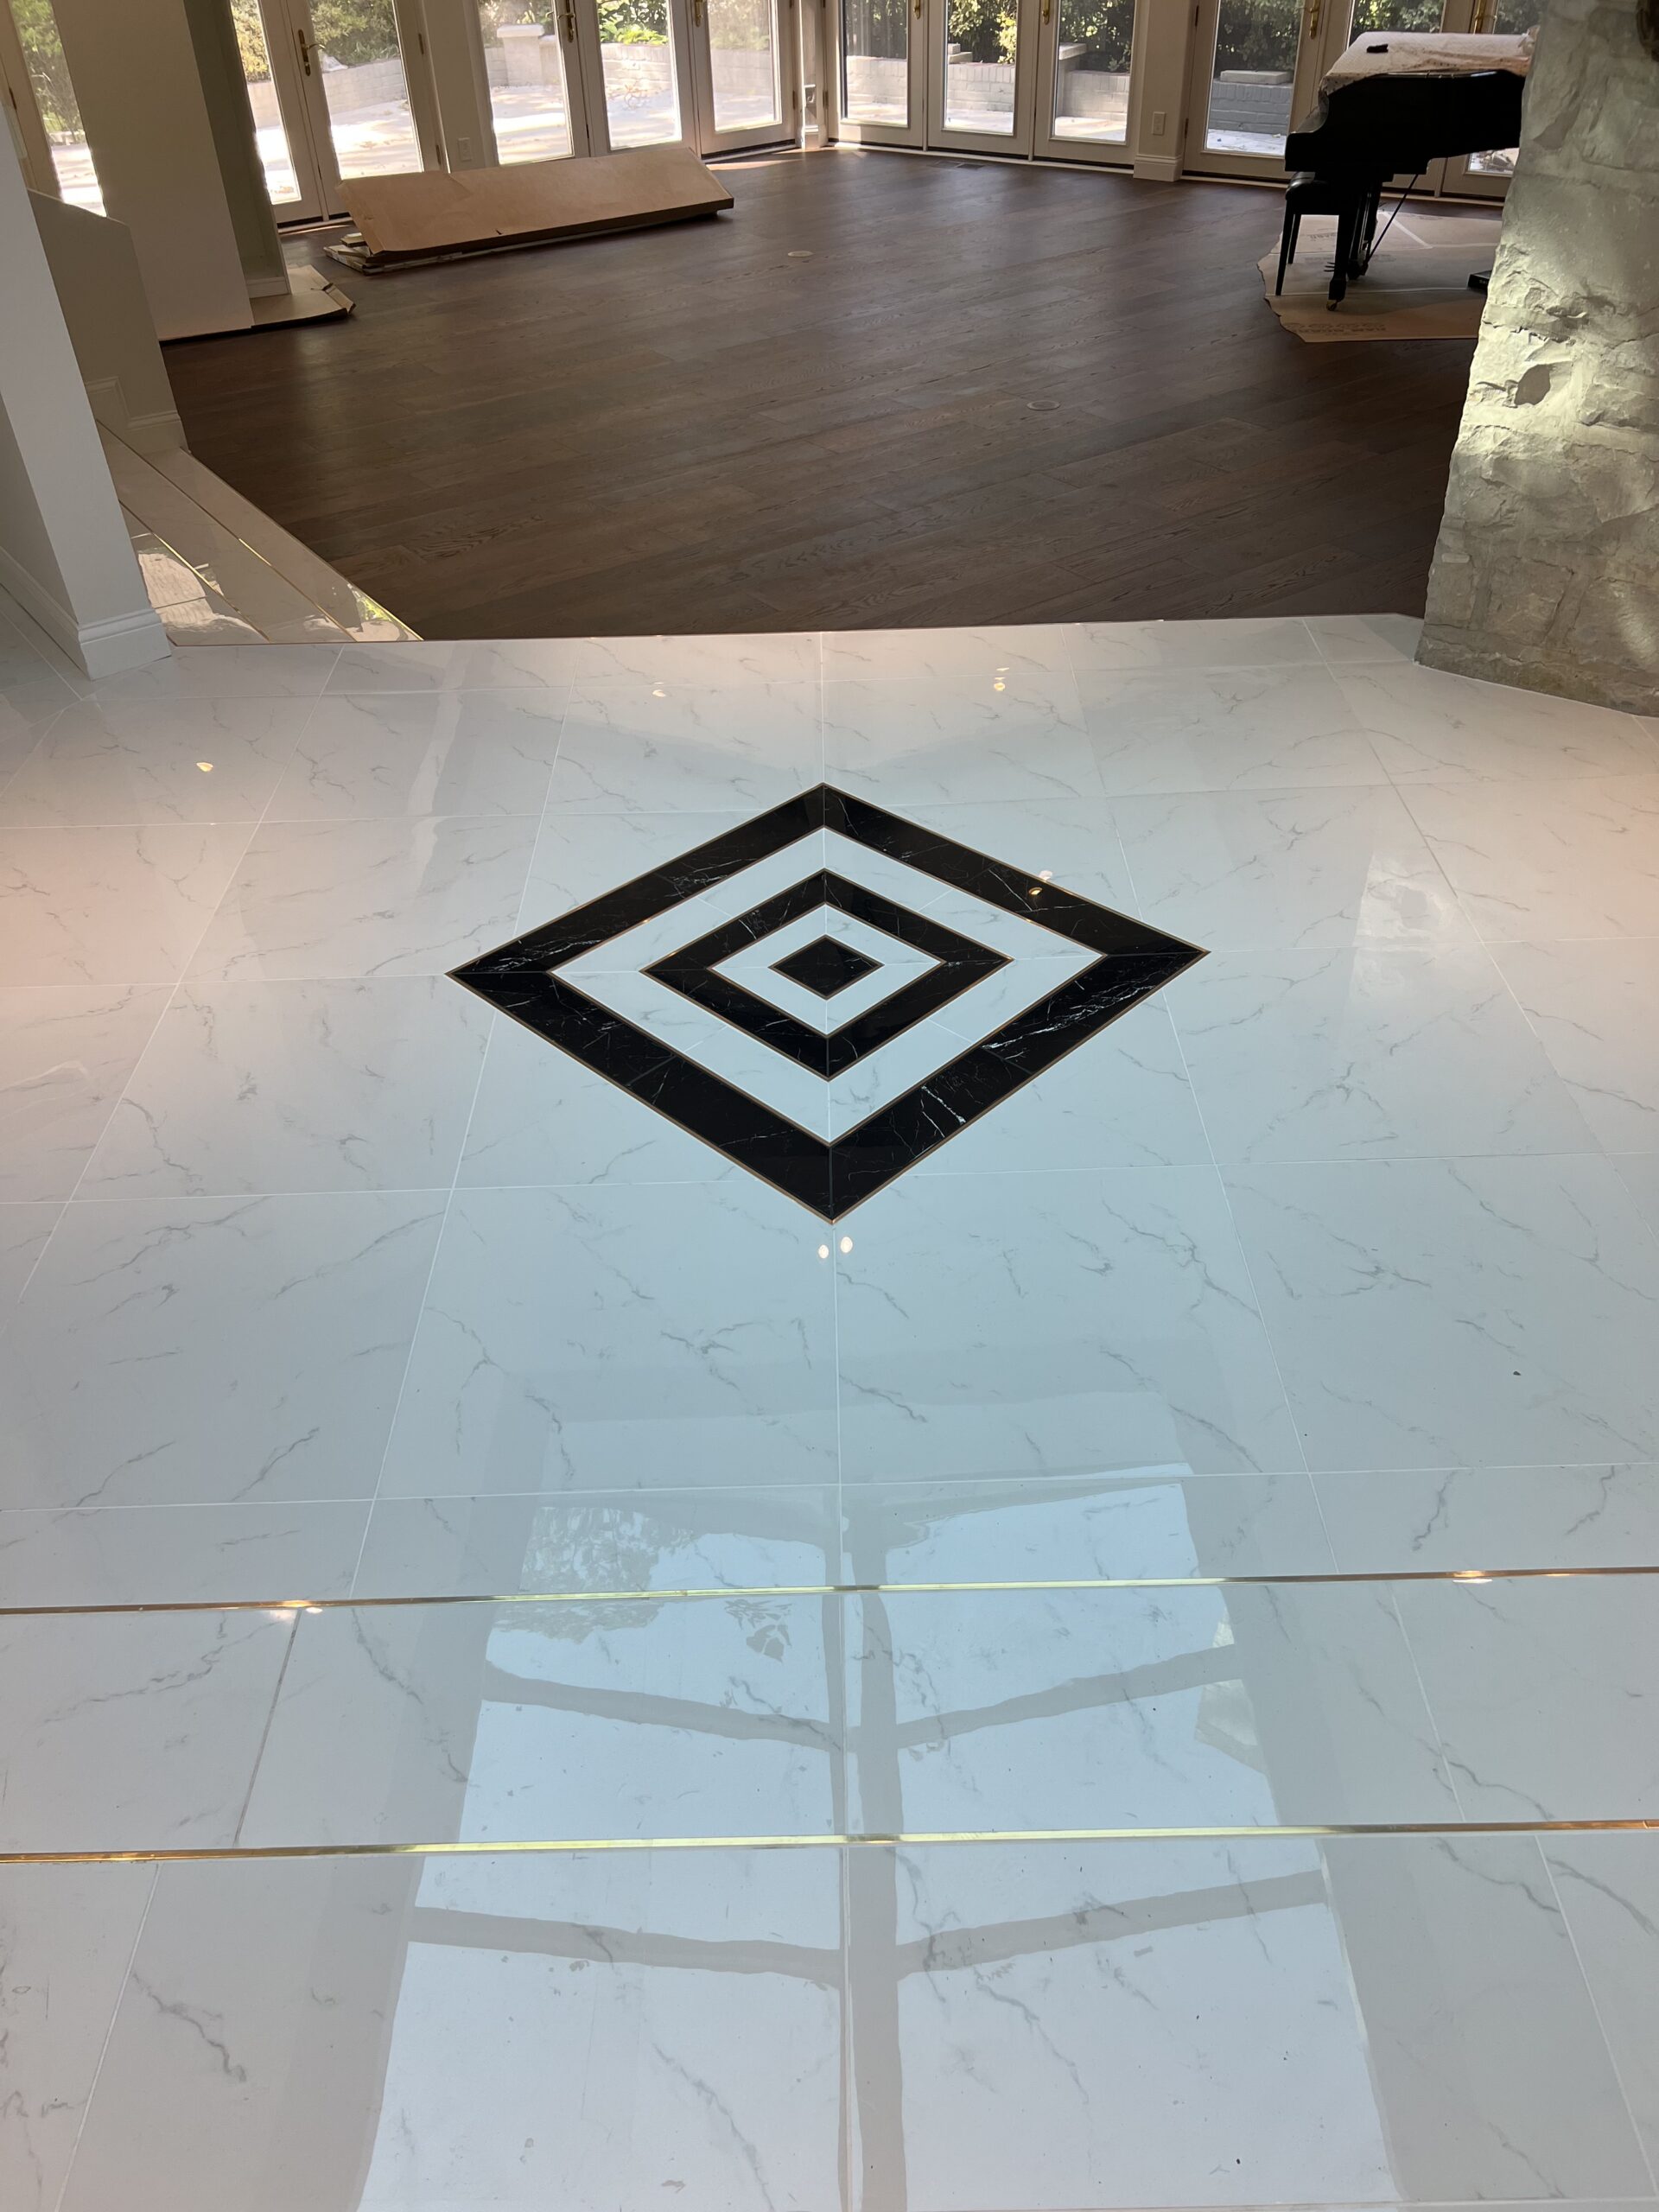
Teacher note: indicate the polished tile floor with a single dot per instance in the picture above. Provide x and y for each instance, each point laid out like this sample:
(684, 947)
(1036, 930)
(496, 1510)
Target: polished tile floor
(860, 1423)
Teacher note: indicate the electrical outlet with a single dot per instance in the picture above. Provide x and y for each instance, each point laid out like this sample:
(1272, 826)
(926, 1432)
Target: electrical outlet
(1160, 122)
(463, 149)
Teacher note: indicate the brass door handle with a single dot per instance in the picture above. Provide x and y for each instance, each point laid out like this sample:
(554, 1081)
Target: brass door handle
(305, 51)
(1048, 11)
(697, 11)
(919, 6)
(569, 26)
(1315, 15)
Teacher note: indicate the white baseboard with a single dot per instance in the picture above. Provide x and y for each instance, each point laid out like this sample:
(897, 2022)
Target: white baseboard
(160, 432)
(1160, 168)
(268, 288)
(101, 648)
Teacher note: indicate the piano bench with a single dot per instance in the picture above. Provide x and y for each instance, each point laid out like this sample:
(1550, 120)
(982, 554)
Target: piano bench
(1353, 201)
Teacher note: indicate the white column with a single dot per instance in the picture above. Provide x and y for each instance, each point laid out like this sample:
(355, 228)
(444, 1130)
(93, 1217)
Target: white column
(64, 550)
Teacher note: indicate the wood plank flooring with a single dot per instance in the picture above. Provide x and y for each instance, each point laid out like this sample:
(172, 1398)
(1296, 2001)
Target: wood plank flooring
(883, 391)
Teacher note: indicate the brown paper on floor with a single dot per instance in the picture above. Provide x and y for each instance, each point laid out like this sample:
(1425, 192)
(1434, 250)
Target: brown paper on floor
(1417, 286)
(433, 212)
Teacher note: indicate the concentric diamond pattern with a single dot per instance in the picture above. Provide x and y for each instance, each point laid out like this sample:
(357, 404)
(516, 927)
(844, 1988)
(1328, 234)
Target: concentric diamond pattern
(898, 964)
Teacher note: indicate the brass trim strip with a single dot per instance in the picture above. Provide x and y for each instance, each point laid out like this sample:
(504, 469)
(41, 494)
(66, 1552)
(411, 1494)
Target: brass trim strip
(833, 1590)
(899, 1840)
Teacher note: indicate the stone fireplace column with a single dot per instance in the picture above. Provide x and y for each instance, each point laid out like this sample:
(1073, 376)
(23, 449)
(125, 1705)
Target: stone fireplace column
(1547, 571)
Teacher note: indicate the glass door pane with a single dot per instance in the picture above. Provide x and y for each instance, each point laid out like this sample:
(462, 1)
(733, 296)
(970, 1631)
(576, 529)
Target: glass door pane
(642, 90)
(980, 56)
(270, 133)
(875, 62)
(1095, 40)
(1253, 77)
(530, 100)
(743, 64)
(359, 65)
(1509, 18)
(48, 74)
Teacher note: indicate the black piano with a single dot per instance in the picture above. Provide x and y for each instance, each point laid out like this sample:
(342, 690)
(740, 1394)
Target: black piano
(1362, 133)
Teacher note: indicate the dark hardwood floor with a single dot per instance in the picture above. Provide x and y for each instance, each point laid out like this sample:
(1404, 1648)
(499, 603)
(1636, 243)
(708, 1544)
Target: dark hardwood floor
(988, 395)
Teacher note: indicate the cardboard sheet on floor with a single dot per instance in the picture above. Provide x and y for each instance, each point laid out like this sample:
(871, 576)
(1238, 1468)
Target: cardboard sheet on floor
(1417, 287)
(436, 214)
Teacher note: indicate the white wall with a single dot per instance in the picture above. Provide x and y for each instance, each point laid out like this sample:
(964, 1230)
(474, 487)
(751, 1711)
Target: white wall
(136, 79)
(95, 273)
(64, 550)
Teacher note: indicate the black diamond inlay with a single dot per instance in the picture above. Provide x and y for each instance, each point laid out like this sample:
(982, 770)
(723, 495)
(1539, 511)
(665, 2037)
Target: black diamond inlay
(825, 966)
(1132, 960)
(957, 963)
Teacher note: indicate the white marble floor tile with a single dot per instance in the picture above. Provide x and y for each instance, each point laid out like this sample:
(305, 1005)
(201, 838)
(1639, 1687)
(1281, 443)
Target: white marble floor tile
(467, 753)
(1433, 1313)
(1271, 643)
(111, 906)
(66, 1054)
(1121, 1100)
(1217, 731)
(1426, 725)
(1346, 640)
(580, 856)
(1114, 2025)
(133, 1731)
(921, 741)
(630, 746)
(1596, 1008)
(1608, 1886)
(438, 664)
(314, 1086)
(1015, 649)
(394, 898)
(1463, 1519)
(1249, 1706)
(1639, 1173)
(298, 671)
(620, 1338)
(1287, 868)
(177, 760)
(652, 1540)
(757, 657)
(1072, 843)
(493, 1724)
(1160, 1521)
(25, 1228)
(27, 710)
(67, 1936)
(201, 1351)
(1543, 1693)
(599, 2031)
(1366, 1054)
(542, 1117)
(178, 1555)
(1548, 861)
(994, 1325)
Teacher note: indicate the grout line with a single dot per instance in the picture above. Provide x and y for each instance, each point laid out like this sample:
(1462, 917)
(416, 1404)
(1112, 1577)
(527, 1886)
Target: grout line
(108, 2037)
(1384, 1577)
(898, 1839)
(1595, 2007)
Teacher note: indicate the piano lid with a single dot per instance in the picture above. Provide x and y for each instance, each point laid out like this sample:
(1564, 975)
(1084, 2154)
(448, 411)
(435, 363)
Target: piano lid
(1428, 54)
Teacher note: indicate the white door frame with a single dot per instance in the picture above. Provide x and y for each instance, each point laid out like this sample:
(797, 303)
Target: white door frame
(1324, 34)
(1046, 143)
(302, 100)
(832, 96)
(1017, 141)
(710, 141)
(28, 131)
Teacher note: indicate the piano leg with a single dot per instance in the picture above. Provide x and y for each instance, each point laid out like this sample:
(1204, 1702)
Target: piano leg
(1349, 230)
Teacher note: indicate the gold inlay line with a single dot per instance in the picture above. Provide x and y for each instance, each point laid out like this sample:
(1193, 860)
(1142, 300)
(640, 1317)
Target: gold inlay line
(898, 1840)
(989, 1584)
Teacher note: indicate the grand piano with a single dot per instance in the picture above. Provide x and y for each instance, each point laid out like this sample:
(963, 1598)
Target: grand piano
(1392, 103)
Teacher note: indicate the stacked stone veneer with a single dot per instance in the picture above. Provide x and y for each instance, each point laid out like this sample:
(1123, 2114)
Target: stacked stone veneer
(1547, 571)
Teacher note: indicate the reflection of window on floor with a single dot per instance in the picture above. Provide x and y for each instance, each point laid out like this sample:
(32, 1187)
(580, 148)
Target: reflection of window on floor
(48, 73)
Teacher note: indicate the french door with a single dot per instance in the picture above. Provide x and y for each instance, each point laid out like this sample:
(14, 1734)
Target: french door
(1052, 78)
(324, 116)
(568, 77)
(1257, 65)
